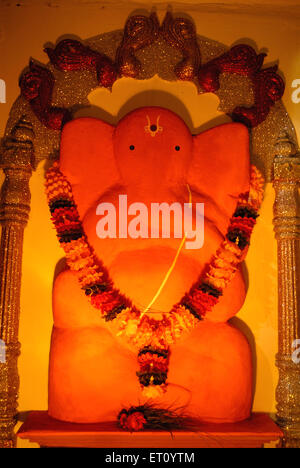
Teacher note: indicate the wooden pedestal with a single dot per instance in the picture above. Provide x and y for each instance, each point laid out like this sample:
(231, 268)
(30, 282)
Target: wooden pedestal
(48, 432)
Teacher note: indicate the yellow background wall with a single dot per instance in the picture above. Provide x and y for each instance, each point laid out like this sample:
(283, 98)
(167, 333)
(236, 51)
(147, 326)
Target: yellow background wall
(24, 30)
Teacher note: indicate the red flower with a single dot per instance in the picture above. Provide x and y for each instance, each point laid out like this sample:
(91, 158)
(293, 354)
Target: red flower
(135, 421)
(201, 301)
(123, 420)
(244, 224)
(106, 301)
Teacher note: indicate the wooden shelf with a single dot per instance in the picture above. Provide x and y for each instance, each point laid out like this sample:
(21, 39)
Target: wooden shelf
(49, 432)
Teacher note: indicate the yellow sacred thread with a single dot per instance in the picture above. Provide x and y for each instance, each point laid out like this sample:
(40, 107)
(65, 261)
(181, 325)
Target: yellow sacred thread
(171, 267)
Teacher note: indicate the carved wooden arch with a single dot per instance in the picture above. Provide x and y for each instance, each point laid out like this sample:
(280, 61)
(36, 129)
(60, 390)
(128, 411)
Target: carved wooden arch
(248, 93)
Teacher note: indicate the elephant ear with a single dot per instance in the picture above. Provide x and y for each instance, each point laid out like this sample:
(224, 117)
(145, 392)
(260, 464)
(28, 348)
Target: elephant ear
(220, 169)
(87, 159)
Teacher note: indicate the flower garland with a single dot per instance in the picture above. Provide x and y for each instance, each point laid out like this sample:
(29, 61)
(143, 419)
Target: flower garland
(152, 336)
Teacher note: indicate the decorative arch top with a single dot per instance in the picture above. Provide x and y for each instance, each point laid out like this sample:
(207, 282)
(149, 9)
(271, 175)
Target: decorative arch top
(139, 33)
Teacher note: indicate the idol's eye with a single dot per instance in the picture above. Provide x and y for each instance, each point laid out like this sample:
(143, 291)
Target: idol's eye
(177, 148)
(131, 147)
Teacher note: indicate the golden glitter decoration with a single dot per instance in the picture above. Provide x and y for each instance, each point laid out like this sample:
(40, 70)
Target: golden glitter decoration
(155, 57)
(140, 31)
(287, 232)
(16, 161)
(181, 34)
(28, 142)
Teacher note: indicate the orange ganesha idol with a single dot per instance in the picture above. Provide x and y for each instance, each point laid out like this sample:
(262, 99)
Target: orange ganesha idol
(155, 224)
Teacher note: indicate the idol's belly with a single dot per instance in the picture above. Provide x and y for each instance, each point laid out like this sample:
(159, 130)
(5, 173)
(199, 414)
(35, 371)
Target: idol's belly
(155, 276)
(145, 269)
(92, 377)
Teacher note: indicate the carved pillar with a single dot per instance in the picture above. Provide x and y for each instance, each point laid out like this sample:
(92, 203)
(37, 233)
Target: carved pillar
(16, 161)
(287, 232)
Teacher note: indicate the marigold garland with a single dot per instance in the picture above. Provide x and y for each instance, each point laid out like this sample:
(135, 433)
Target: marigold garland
(152, 336)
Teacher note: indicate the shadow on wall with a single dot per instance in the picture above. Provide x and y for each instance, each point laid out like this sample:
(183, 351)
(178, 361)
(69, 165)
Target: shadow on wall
(155, 98)
(243, 327)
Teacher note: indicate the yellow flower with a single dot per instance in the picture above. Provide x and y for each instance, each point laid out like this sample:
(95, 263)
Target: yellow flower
(131, 328)
(153, 391)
